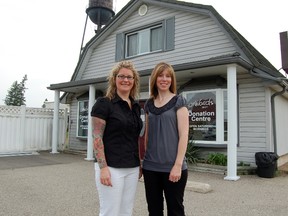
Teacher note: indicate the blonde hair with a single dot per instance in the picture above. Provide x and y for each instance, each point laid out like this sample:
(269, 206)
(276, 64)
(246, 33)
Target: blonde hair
(158, 69)
(111, 90)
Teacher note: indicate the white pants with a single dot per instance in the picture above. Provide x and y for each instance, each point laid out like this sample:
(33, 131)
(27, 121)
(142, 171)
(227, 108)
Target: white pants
(117, 200)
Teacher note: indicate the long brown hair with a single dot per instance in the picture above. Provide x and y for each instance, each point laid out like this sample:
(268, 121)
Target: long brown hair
(111, 90)
(158, 69)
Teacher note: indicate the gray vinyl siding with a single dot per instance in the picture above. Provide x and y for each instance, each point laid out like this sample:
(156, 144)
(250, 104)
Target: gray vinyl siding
(101, 60)
(254, 121)
(197, 37)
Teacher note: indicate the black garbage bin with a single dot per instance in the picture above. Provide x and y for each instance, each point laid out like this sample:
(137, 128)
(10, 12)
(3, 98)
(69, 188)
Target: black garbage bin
(266, 164)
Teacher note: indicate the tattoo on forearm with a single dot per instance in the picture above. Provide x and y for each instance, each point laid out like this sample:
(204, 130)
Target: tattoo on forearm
(98, 131)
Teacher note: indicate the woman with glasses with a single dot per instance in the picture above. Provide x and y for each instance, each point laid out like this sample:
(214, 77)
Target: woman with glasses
(166, 138)
(116, 126)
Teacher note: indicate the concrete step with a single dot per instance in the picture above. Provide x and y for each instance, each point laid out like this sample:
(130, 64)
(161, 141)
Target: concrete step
(198, 187)
(283, 168)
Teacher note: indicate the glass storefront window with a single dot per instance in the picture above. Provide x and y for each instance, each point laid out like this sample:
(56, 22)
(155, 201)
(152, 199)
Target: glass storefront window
(208, 116)
(82, 119)
(225, 115)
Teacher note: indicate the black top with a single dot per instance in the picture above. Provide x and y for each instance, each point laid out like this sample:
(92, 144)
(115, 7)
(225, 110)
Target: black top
(123, 126)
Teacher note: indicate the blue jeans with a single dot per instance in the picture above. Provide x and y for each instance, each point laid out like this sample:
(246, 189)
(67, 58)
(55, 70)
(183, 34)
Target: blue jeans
(157, 183)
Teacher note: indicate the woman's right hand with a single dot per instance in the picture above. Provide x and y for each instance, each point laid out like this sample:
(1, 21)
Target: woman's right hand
(105, 176)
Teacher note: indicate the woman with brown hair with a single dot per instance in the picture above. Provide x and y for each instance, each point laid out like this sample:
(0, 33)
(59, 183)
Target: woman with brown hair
(167, 128)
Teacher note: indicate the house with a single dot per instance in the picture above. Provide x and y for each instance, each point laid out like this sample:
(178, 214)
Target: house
(238, 100)
(50, 105)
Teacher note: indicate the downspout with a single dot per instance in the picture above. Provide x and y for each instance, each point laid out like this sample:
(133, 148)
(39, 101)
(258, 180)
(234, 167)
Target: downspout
(284, 86)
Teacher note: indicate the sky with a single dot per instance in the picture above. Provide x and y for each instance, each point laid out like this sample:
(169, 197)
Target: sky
(42, 39)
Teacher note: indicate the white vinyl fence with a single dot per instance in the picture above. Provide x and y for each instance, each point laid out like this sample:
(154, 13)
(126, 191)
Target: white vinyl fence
(24, 130)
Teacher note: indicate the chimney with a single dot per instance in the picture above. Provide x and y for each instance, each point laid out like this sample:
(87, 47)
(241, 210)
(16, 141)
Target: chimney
(284, 50)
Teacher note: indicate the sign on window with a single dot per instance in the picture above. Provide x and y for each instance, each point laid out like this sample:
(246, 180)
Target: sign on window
(82, 129)
(202, 115)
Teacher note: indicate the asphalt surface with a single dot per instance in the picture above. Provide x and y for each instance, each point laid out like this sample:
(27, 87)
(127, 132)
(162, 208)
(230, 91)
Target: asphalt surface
(63, 185)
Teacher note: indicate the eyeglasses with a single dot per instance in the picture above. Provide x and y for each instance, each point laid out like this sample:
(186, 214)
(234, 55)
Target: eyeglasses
(122, 77)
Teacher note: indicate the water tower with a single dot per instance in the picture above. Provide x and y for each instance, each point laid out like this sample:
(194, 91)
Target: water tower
(100, 12)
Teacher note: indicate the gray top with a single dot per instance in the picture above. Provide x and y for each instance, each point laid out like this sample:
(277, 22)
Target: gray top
(163, 135)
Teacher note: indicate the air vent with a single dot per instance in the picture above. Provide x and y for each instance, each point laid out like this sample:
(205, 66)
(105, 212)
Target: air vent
(143, 10)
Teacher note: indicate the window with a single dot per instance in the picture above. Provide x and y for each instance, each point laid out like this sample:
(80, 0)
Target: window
(156, 39)
(144, 41)
(147, 39)
(225, 116)
(82, 119)
(208, 116)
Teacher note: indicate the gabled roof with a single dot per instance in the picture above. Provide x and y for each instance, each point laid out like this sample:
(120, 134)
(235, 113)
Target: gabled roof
(260, 63)
(257, 59)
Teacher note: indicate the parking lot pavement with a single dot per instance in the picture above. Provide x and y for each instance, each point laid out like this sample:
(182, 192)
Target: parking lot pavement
(63, 185)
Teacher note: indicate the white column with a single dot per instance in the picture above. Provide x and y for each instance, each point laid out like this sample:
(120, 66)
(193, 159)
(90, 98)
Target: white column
(55, 122)
(90, 138)
(232, 124)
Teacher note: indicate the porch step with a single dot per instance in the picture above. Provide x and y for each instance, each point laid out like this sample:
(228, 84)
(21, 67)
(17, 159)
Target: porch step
(198, 187)
(283, 169)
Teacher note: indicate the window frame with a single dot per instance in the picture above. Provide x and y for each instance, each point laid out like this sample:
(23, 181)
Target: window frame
(168, 29)
(141, 32)
(221, 108)
(84, 120)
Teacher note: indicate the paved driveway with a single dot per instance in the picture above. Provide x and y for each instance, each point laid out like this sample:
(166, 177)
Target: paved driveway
(63, 185)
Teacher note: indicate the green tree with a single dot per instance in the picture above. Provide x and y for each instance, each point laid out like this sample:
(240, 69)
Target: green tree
(44, 105)
(15, 96)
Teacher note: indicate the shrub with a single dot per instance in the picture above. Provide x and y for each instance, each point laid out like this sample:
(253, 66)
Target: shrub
(191, 153)
(217, 159)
